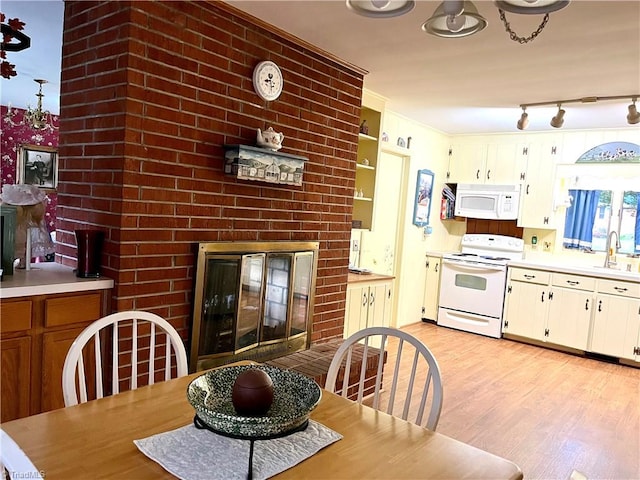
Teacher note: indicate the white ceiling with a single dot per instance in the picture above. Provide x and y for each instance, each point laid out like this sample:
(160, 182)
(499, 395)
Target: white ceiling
(464, 85)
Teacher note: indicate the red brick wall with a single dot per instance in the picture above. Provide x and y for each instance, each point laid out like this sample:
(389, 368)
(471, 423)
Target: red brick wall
(150, 93)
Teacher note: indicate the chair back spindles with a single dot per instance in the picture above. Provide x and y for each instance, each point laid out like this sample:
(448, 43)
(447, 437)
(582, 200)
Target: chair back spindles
(115, 351)
(97, 352)
(74, 381)
(390, 372)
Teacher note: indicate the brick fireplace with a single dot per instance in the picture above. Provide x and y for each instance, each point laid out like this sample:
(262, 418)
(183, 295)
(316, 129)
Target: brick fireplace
(253, 300)
(150, 94)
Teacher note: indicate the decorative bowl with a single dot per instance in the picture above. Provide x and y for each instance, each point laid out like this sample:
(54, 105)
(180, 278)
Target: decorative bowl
(294, 397)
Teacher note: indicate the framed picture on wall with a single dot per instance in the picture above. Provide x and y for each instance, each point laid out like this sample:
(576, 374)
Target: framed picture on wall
(38, 165)
(424, 190)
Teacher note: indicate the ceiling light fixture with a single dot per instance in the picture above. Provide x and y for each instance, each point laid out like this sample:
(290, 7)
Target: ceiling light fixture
(528, 7)
(36, 118)
(557, 121)
(381, 8)
(455, 19)
(633, 116)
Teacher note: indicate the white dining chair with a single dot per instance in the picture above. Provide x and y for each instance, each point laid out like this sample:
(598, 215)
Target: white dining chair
(13, 461)
(413, 368)
(142, 348)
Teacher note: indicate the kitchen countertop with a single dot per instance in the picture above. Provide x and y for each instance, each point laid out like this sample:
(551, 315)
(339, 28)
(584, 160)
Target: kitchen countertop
(48, 278)
(591, 271)
(367, 277)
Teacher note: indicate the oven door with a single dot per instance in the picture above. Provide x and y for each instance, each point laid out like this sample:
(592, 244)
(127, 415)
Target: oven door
(472, 287)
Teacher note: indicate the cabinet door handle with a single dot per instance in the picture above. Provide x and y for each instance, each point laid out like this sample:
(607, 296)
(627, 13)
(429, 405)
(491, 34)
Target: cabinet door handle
(586, 305)
(600, 305)
(389, 294)
(364, 299)
(542, 297)
(372, 299)
(550, 295)
(527, 192)
(427, 264)
(488, 174)
(529, 277)
(478, 174)
(436, 269)
(619, 289)
(573, 282)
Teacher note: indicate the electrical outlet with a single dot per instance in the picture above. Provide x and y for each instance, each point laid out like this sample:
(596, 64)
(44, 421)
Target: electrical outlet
(355, 245)
(547, 246)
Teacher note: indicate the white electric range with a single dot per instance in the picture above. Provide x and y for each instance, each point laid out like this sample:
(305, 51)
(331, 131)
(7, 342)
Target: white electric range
(472, 283)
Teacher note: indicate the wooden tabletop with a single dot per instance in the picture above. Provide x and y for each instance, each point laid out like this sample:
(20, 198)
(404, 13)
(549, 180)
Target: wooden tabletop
(95, 440)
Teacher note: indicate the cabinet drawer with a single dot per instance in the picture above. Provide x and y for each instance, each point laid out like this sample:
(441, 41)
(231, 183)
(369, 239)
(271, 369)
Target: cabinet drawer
(531, 276)
(73, 309)
(616, 287)
(15, 316)
(574, 281)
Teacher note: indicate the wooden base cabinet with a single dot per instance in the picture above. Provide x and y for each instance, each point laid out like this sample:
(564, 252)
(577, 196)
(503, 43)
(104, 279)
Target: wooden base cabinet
(616, 320)
(36, 333)
(368, 305)
(431, 288)
(579, 312)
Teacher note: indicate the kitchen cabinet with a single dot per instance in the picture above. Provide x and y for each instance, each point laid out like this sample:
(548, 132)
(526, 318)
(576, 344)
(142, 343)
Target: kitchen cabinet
(368, 303)
(616, 320)
(431, 288)
(537, 196)
(36, 333)
(581, 312)
(479, 162)
(526, 303)
(569, 314)
(467, 162)
(367, 159)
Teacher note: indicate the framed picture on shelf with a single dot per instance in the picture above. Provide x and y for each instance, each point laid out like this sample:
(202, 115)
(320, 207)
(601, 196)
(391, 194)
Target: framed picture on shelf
(424, 190)
(38, 165)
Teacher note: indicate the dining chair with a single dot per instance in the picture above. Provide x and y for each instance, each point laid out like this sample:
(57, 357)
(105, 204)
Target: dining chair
(414, 368)
(130, 339)
(13, 461)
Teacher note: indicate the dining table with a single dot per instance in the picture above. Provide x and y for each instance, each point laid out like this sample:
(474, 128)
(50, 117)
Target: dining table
(96, 440)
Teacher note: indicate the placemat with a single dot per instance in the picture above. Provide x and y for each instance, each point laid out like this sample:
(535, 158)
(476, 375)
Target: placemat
(193, 454)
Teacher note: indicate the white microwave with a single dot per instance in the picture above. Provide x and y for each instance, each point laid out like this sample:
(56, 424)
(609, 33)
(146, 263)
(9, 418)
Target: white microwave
(495, 202)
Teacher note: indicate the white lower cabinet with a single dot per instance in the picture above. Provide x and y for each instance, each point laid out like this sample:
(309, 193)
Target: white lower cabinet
(616, 320)
(570, 305)
(585, 313)
(431, 288)
(526, 303)
(368, 305)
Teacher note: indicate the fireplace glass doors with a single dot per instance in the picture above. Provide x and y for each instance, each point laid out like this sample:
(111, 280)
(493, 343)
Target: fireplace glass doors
(252, 301)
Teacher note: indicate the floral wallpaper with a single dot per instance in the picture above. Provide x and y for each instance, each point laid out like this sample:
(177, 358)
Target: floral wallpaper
(14, 134)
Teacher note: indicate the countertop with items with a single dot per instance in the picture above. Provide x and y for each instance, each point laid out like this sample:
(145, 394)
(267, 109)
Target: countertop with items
(366, 276)
(47, 278)
(557, 265)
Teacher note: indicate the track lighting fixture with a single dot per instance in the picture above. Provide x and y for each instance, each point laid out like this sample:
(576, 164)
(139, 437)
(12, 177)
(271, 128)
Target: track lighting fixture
(558, 120)
(523, 123)
(633, 117)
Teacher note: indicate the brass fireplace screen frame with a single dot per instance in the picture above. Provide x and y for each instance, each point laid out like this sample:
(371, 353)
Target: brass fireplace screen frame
(252, 301)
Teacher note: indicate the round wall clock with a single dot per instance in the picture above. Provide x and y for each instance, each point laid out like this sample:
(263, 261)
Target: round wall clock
(267, 80)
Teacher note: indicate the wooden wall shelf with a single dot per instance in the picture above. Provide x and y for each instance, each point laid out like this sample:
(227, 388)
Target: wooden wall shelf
(260, 164)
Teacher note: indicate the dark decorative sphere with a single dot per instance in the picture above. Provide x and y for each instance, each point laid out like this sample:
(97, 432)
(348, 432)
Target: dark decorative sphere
(252, 393)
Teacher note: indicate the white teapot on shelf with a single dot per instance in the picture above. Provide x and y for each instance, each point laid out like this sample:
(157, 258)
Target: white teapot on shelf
(270, 139)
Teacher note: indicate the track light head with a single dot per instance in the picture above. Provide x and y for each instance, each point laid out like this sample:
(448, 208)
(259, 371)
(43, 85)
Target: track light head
(523, 123)
(558, 120)
(633, 116)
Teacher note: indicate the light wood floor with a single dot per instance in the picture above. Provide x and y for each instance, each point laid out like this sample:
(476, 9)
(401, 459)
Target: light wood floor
(547, 411)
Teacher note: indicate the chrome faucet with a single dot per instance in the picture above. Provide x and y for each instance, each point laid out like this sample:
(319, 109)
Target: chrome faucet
(607, 259)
